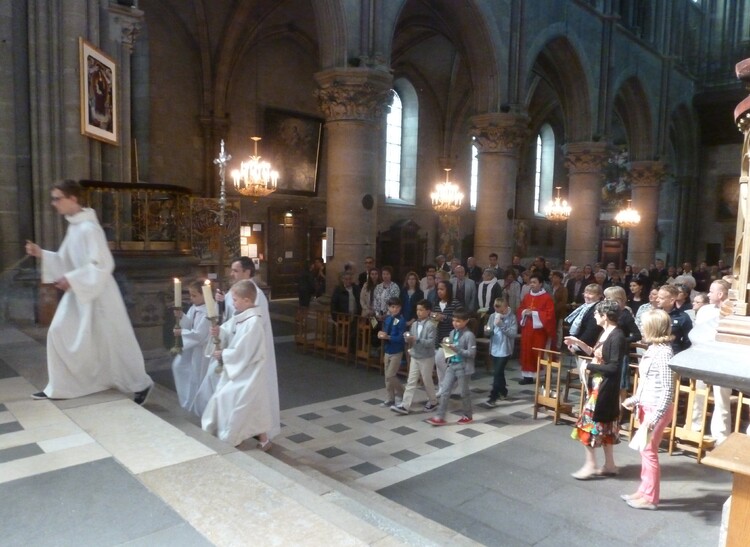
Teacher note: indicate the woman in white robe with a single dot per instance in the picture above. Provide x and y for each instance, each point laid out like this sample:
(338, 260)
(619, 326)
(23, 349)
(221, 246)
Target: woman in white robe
(241, 405)
(189, 367)
(91, 345)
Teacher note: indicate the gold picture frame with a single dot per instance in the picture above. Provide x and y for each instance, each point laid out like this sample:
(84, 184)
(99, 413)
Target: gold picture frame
(99, 114)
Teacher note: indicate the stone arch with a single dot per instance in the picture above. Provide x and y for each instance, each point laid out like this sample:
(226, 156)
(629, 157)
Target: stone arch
(473, 30)
(247, 30)
(560, 65)
(333, 38)
(683, 135)
(631, 104)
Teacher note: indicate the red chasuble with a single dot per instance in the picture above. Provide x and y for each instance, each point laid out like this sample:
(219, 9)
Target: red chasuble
(535, 338)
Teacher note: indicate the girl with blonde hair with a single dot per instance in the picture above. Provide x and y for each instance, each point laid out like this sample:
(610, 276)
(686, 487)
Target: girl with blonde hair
(653, 404)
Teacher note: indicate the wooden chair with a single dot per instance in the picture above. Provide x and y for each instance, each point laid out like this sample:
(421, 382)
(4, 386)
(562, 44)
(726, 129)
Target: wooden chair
(322, 344)
(363, 352)
(343, 336)
(572, 378)
(742, 402)
(547, 390)
(683, 437)
(636, 352)
(302, 337)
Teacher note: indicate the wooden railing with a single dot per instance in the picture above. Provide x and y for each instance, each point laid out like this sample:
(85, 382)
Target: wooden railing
(142, 217)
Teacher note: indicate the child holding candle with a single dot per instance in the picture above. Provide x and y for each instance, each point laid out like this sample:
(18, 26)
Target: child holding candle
(241, 405)
(463, 349)
(189, 367)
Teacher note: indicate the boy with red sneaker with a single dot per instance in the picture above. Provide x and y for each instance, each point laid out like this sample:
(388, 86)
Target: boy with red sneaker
(462, 344)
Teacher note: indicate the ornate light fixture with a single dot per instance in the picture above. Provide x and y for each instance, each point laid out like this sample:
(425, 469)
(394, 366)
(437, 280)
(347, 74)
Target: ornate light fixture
(255, 178)
(628, 217)
(447, 197)
(557, 210)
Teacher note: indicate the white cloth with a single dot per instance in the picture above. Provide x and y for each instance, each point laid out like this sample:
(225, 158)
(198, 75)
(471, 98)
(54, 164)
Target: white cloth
(261, 304)
(241, 405)
(189, 367)
(484, 292)
(91, 345)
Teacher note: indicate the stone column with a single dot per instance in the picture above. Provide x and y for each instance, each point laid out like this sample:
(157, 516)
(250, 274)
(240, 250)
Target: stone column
(498, 137)
(585, 162)
(353, 102)
(123, 26)
(645, 177)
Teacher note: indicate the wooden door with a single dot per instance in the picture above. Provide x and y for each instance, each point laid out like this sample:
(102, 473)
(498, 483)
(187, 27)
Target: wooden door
(288, 250)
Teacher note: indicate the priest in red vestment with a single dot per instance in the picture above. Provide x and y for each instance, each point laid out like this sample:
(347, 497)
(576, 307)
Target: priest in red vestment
(536, 319)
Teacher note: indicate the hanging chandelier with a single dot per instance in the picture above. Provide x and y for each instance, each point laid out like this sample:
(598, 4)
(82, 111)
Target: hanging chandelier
(628, 217)
(447, 197)
(557, 210)
(255, 178)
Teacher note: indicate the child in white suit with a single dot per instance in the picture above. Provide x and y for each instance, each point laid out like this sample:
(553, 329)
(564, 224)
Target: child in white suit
(241, 406)
(189, 367)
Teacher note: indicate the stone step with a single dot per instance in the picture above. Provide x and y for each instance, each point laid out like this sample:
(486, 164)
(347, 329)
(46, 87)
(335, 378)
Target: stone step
(365, 515)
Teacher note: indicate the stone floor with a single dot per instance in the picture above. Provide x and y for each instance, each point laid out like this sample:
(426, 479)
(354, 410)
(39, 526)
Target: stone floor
(102, 471)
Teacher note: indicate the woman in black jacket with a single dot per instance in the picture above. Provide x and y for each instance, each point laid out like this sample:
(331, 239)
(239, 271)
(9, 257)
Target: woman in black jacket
(598, 424)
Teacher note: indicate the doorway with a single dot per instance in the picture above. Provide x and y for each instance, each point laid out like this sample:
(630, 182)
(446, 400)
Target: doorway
(291, 244)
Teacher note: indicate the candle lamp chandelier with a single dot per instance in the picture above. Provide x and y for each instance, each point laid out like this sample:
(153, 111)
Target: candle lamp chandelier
(255, 178)
(628, 217)
(557, 210)
(447, 197)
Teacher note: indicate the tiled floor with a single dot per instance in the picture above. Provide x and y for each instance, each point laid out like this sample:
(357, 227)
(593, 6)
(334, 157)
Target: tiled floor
(357, 440)
(501, 480)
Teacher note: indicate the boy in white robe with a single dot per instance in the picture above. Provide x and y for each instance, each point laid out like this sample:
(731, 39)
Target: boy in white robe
(244, 268)
(91, 345)
(241, 406)
(189, 367)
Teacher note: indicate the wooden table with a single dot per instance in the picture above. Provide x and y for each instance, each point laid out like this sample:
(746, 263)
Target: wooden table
(733, 455)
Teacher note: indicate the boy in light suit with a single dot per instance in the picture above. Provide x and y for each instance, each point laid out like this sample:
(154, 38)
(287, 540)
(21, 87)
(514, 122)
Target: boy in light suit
(421, 342)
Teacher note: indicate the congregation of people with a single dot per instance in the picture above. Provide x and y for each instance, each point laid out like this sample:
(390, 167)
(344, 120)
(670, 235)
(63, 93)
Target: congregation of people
(430, 324)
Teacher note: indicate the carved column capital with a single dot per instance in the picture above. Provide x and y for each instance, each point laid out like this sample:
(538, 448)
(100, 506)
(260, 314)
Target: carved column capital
(354, 93)
(499, 132)
(586, 157)
(646, 174)
(125, 23)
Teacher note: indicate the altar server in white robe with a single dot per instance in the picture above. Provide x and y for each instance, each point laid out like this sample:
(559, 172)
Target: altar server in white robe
(244, 268)
(190, 365)
(91, 345)
(241, 406)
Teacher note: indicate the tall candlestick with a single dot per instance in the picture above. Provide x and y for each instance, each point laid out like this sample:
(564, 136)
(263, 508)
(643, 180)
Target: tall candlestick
(177, 293)
(211, 309)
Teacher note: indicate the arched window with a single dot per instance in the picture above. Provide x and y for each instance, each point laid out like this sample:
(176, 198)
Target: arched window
(402, 124)
(544, 168)
(474, 177)
(393, 149)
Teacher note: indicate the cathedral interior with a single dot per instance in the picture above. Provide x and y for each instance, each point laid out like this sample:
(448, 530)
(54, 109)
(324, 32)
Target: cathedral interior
(362, 108)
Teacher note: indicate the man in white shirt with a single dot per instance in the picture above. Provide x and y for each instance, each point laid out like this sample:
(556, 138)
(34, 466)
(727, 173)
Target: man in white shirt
(706, 324)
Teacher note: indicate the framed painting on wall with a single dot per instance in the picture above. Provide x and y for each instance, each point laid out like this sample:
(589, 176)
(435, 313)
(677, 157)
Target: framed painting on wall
(98, 94)
(292, 145)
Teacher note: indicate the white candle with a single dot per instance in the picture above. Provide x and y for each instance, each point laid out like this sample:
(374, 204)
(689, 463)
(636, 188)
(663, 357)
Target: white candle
(177, 293)
(211, 310)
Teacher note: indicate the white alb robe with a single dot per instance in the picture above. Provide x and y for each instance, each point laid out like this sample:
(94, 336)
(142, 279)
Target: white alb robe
(261, 304)
(91, 345)
(189, 367)
(241, 405)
